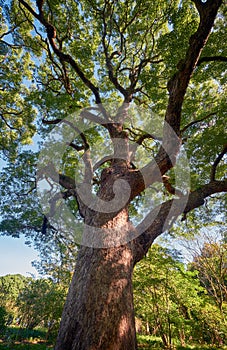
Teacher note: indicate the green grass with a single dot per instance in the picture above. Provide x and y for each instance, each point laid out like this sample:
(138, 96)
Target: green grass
(20, 334)
(24, 339)
(155, 343)
(29, 346)
(15, 338)
(148, 342)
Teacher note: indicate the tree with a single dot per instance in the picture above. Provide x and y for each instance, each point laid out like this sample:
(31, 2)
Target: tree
(210, 260)
(10, 287)
(41, 304)
(166, 56)
(173, 302)
(158, 297)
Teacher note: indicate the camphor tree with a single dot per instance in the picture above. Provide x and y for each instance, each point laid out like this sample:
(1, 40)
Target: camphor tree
(154, 61)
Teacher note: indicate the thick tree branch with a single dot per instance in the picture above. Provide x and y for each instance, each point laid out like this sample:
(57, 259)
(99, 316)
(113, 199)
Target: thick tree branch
(93, 117)
(72, 125)
(112, 76)
(49, 172)
(51, 34)
(52, 122)
(177, 87)
(109, 57)
(65, 181)
(76, 147)
(169, 187)
(163, 216)
(88, 174)
(178, 84)
(197, 197)
(197, 121)
(211, 59)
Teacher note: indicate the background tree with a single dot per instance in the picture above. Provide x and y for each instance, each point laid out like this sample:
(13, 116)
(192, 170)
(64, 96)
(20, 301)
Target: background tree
(173, 302)
(166, 56)
(41, 304)
(210, 260)
(10, 288)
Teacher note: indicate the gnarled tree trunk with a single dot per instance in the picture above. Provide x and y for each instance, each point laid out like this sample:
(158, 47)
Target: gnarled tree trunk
(99, 311)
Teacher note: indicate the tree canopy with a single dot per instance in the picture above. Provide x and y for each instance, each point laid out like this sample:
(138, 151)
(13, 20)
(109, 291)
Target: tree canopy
(128, 99)
(59, 57)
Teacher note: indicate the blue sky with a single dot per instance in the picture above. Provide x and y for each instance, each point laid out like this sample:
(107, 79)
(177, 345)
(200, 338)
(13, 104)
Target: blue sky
(16, 257)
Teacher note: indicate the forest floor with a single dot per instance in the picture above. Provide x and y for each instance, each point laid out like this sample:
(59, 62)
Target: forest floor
(144, 343)
(155, 343)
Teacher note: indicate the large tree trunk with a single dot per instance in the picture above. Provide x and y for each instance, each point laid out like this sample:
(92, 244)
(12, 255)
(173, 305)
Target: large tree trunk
(99, 313)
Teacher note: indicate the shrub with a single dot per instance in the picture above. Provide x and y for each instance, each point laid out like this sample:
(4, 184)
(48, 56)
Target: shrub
(3, 319)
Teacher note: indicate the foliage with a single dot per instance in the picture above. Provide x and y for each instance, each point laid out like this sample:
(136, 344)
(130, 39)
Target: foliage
(41, 304)
(20, 211)
(33, 302)
(26, 347)
(51, 90)
(210, 260)
(3, 319)
(16, 334)
(10, 287)
(172, 304)
(150, 342)
(167, 56)
(17, 114)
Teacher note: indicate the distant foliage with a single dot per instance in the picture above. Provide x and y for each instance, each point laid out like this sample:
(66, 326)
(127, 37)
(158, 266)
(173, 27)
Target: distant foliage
(172, 303)
(3, 319)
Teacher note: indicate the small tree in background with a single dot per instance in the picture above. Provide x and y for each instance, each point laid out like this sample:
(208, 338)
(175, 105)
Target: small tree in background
(211, 263)
(10, 287)
(41, 304)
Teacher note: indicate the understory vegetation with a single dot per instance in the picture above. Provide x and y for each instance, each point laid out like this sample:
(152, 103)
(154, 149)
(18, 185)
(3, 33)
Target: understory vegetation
(177, 305)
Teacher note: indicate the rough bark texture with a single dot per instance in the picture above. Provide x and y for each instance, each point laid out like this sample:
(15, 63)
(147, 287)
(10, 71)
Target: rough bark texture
(99, 309)
(98, 313)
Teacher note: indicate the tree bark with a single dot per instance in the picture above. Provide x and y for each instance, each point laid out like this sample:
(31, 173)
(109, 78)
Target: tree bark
(98, 313)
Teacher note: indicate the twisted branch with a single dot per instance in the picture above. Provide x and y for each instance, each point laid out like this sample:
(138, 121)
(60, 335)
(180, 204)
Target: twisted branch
(51, 34)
